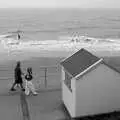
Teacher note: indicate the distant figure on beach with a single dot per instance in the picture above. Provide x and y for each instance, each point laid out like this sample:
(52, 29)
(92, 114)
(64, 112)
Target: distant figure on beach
(18, 36)
(18, 77)
(29, 87)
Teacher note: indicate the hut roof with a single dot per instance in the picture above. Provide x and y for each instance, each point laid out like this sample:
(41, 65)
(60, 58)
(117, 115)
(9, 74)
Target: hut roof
(79, 62)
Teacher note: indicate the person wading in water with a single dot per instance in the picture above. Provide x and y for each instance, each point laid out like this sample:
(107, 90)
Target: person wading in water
(18, 36)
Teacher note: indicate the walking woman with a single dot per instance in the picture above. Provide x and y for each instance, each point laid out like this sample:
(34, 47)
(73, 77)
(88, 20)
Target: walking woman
(29, 87)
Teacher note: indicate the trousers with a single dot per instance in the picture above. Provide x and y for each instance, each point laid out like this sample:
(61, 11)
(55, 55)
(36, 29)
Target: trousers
(29, 87)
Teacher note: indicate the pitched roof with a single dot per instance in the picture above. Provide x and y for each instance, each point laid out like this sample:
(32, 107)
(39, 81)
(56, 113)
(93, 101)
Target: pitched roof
(79, 62)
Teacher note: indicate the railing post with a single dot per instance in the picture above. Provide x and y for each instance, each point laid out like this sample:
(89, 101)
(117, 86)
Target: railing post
(45, 77)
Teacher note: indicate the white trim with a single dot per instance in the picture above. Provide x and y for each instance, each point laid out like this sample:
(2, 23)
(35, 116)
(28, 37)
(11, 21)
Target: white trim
(89, 68)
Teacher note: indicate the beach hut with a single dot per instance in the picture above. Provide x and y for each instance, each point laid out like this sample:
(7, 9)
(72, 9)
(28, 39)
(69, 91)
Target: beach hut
(89, 85)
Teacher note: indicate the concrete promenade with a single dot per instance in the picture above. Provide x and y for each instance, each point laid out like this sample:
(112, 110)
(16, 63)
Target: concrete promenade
(10, 105)
(47, 105)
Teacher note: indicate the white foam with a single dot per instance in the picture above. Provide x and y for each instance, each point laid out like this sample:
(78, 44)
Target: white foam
(67, 44)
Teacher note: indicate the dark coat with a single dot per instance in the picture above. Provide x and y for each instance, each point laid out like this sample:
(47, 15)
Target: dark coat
(18, 75)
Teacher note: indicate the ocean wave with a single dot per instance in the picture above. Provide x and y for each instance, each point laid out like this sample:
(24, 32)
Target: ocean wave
(34, 31)
(5, 35)
(74, 38)
(87, 39)
(63, 43)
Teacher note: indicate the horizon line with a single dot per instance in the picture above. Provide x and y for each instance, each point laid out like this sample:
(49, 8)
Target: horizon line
(57, 8)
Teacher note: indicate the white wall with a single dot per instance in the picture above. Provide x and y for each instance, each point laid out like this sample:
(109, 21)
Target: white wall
(98, 91)
(68, 96)
(62, 74)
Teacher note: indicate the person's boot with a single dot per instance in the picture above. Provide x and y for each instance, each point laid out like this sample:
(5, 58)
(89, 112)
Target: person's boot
(35, 93)
(12, 89)
(23, 89)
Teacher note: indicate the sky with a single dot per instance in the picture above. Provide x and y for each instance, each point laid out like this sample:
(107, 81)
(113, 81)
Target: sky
(60, 3)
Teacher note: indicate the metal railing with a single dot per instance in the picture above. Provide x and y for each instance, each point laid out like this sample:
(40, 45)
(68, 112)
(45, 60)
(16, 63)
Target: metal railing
(50, 71)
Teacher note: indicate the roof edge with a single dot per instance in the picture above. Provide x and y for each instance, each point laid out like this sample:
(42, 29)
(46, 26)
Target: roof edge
(90, 67)
(68, 56)
(67, 71)
(75, 53)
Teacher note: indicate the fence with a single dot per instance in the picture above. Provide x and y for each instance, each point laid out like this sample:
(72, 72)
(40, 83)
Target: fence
(49, 77)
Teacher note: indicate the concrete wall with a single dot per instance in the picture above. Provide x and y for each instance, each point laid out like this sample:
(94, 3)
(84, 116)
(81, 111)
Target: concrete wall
(68, 96)
(98, 92)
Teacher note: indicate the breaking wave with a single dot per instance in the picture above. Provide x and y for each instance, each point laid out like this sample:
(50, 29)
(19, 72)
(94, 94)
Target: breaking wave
(64, 43)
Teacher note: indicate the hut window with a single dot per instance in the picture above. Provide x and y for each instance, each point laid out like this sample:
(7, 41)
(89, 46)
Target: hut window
(68, 80)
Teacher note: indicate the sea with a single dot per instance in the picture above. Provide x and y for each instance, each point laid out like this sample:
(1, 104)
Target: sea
(52, 23)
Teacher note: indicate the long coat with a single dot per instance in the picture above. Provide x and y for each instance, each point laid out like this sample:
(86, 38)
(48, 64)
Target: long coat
(18, 75)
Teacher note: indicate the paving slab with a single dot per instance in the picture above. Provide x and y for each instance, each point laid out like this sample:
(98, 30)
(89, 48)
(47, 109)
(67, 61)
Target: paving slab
(10, 105)
(46, 106)
(10, 108)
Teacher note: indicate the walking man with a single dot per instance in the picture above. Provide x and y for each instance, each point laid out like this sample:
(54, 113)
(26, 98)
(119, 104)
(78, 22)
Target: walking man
(18, 78)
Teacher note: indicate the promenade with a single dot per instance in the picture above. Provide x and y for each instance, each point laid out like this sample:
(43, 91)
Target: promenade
(10, 105)
(47, 105)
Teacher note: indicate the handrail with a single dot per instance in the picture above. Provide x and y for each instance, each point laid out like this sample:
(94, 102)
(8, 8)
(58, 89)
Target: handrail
(49, 66)
(45, 72)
